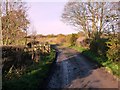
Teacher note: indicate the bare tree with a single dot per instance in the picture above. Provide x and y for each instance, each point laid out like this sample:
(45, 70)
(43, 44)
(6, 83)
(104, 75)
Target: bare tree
(91, 17)
(75, 13)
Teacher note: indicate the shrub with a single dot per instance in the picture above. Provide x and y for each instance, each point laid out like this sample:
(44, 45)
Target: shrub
(99, 46)
(73, 39)
(113, 52)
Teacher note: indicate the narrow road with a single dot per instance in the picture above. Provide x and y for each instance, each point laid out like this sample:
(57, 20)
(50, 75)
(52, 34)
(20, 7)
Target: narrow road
(72, 70)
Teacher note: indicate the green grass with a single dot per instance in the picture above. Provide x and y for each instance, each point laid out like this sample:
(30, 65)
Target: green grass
(78, 48)
(109, 65)
(34, 76)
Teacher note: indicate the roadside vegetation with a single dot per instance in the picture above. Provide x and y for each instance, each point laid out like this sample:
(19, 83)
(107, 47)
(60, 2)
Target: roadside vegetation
(104, 51)
(99, 23)
(111, 66)
(22, 69)
(24, 73)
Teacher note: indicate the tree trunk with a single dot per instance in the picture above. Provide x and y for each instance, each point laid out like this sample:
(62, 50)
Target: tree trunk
(0, 25)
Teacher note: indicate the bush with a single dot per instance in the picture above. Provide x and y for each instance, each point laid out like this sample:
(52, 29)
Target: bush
(113, 52)
(99, 46)
(73, 39)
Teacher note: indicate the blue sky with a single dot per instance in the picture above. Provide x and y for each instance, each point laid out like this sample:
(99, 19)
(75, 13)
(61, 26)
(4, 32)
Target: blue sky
(45, 17)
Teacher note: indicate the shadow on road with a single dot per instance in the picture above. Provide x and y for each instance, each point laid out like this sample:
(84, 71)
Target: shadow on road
(65, 71)
(74, 70)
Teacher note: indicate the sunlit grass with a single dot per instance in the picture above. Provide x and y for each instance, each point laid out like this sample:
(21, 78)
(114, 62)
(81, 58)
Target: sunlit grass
(109, 65)
(78, 48)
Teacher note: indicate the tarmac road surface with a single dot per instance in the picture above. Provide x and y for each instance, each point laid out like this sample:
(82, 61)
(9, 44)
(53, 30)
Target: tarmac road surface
(72, 70)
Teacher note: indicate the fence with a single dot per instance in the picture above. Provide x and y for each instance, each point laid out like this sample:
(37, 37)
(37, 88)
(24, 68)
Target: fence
(36, 49)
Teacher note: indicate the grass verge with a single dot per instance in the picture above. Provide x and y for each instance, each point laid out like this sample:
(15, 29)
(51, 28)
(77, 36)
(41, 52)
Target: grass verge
(78, 48)
(109, 65)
